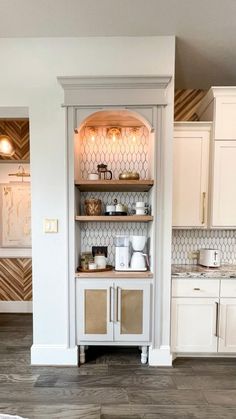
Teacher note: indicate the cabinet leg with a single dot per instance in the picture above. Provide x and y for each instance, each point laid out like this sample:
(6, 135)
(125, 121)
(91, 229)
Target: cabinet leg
(144, 355)
(82, 354)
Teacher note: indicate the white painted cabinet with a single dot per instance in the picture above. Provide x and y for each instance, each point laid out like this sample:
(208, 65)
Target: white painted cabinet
(227, 325)
(194, 324)
(223, 187)
(190, 174)
(114, 311)
(201, 324)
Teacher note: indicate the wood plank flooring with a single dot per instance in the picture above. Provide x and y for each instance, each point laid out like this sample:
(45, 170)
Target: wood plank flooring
(111, 385)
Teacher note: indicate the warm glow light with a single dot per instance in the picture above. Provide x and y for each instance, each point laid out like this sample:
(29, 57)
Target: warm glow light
(6, 146)
(134, 133)
(92, 133)
(114, 133)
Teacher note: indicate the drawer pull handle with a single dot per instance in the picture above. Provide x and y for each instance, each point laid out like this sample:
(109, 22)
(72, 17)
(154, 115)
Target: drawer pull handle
(196, 289)
(203, 207)
(217, 317)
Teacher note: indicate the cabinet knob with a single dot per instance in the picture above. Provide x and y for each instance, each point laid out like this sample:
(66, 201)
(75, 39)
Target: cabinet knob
(196, 289)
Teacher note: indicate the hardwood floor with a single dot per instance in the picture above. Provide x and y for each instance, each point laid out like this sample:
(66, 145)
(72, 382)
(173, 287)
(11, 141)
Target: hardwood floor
(111, 385)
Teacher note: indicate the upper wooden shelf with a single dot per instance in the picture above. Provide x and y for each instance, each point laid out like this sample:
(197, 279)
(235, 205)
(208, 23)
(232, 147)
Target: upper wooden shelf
(114, 218)
(142, 185)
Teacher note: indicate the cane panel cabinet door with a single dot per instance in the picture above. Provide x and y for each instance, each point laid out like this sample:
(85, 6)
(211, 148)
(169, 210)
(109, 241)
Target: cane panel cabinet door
(94, 310)
(132, 308)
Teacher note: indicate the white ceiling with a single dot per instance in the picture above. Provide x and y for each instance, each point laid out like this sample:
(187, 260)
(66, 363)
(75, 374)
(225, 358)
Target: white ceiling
(205, 29)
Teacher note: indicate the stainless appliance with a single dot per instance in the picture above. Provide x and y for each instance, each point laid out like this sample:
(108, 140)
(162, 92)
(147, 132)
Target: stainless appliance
(210, 258)
(129, 254)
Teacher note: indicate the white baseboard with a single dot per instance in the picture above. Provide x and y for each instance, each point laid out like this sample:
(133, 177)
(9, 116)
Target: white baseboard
(160, 357)
(54, 355)
(16, 307)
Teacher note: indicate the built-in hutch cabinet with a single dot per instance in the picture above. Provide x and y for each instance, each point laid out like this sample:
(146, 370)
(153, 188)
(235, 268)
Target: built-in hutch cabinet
(118, 308)
(203, 316)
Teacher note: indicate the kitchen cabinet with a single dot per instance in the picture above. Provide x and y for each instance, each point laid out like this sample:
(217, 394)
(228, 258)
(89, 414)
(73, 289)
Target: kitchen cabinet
(201, 323)
(219, 105)
(190, 174)
(227, 325)
(194, 324)
(223, 186)
(113, 311)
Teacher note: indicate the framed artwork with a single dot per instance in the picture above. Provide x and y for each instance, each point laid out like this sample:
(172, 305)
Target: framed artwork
(15, 203)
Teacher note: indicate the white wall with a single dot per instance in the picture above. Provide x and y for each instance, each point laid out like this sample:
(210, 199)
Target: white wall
(29, 68)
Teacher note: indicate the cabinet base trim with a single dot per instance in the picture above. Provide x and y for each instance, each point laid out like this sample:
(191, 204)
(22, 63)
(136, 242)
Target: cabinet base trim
(204, 355)
(16, 307)
(160, 357)
(54, 355)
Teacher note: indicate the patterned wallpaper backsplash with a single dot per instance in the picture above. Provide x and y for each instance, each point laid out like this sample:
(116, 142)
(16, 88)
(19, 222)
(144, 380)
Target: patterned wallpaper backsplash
(119, 155)
(185, 241)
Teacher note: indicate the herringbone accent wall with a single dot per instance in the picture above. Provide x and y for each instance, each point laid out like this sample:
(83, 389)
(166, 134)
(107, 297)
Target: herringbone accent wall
(15, 279)
(186, 102)
(18, 131)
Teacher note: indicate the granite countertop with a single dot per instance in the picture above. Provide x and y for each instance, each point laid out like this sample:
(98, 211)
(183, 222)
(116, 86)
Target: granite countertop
(196, 271)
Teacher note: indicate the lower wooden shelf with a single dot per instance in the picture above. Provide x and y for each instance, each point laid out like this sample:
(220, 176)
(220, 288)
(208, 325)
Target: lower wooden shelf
(114, 218)
(115, 274)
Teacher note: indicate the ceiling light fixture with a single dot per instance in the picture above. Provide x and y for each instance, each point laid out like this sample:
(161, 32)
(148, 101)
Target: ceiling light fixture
(134, 133)
(92, 133)
(7, 148)
(114, 133)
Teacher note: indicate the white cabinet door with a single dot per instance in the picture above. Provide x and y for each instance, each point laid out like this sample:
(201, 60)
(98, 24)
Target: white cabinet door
(227, 327)
(132, 308)
(94, 307)
(224, 191)
(225, 118)
(190, 177)
(194, 324)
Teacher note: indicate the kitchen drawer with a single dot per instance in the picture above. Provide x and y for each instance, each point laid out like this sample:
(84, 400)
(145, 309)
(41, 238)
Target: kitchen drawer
(195, 287)
(228, 288)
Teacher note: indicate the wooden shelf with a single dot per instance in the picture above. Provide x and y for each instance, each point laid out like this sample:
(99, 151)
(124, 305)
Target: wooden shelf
(114, 185)
(115, 274)
(114, 218)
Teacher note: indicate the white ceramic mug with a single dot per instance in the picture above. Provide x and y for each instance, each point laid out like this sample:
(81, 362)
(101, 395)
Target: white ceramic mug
(93, 176)
(141, 211)
(92, 266)
(140, 204)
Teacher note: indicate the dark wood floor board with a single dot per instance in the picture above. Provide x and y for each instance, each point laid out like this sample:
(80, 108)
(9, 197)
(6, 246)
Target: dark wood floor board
(48, 395)
(167, 412)
(147, 370)
(207, 382)
(125, 381)
(58, 411)
(170, 397)
(18, 379)
(221, 397)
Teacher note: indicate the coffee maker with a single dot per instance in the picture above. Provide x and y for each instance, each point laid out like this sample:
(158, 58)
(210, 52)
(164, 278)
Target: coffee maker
(129, 254)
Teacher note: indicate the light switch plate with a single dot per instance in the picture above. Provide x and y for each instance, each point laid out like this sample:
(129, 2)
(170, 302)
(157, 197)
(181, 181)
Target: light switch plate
(50, 225)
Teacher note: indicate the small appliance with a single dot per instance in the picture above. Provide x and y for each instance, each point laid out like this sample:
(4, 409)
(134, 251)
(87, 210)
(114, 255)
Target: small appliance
(210, 258)
(122, 254)
(129, 254)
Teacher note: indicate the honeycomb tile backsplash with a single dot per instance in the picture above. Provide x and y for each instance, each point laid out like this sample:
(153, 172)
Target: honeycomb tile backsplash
(123, 154)
(185, 241)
